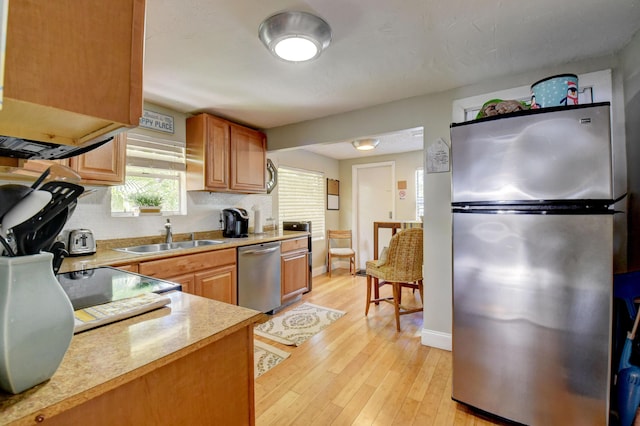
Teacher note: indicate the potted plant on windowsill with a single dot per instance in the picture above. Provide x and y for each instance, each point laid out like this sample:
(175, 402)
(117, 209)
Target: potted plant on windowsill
(147, 203)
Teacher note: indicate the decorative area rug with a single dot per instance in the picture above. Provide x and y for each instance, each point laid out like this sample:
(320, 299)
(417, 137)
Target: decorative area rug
(294, 327)
(265, 357)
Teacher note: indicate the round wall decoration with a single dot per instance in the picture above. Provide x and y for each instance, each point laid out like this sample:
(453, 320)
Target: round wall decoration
(272, 176)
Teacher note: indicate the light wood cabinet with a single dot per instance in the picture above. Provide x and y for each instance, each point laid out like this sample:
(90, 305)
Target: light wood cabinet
(294, 268)
(103, 165)
(248, 160)
(218, 284)
(212, 385)
(225, 157)
(73, 69)
(132, 267)
(209, 274)
(187, 281)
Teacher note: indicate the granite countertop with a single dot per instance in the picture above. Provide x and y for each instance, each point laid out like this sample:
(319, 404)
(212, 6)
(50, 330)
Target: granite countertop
(106, 357)
(106, 255)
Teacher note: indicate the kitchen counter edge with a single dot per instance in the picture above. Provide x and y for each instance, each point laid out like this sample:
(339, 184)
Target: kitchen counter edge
(106, 255)
(107, 357)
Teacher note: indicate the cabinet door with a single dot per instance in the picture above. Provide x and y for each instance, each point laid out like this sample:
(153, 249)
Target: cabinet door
(207, 153)
(248, 160)
(217, 154)
(187, 281)
(104, 165)
(84, 63)
(294, 268)
(218, 283)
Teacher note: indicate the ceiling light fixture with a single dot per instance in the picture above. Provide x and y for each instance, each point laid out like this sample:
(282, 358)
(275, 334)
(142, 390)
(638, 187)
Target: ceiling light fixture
(365, 144)
(295, 36)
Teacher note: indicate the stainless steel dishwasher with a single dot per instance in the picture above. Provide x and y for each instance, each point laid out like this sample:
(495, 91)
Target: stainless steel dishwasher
(259, 276)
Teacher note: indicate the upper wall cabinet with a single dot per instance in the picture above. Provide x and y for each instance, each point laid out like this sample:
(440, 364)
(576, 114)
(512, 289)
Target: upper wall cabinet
(101, 166)
(73, 69)
(224, 156)
(104, 165)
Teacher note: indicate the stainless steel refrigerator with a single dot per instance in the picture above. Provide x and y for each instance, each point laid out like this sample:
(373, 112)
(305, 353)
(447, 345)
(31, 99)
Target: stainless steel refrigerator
(533, 216)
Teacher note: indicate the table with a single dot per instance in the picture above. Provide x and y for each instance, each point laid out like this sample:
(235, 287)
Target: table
(394, 226)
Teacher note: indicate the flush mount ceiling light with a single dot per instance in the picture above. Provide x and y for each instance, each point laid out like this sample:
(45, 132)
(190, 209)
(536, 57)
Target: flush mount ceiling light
(365, 144)
(295, 36)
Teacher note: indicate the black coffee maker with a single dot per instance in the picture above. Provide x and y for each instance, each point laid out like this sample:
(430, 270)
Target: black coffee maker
(236, 223)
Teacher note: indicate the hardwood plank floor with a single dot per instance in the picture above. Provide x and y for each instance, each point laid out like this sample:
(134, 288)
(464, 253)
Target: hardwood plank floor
(360, 371)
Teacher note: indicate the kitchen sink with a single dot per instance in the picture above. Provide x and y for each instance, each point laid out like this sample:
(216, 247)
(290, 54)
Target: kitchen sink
(155, 248)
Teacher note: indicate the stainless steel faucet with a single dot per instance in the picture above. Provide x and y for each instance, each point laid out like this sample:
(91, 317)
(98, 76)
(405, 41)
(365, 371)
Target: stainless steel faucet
(169, 236)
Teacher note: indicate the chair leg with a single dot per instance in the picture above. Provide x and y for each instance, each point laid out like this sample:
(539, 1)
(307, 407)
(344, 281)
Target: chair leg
(352, 261)
(396, 303)
(329, 266)
(366, 309)
(376, 289)
(421, 290)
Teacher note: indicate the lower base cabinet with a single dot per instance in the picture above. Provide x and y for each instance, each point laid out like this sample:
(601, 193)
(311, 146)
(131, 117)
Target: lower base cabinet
(218, 284)
(294, 268)
(210, 274)
(181, 392)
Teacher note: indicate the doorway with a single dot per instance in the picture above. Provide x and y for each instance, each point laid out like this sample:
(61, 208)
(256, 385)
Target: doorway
(373, 201)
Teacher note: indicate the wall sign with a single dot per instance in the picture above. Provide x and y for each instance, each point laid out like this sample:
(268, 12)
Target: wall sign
(438, 157)
(156, 121)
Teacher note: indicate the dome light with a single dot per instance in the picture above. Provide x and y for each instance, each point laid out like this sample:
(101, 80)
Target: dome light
(295, 36)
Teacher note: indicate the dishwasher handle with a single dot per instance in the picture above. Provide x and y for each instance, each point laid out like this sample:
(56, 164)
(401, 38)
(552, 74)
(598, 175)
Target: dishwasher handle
(259, 252)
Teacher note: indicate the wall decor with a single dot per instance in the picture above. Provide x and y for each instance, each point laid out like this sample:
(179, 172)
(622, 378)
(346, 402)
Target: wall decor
(333, 194)
(272, 176)
(438, 157)
(156, 121)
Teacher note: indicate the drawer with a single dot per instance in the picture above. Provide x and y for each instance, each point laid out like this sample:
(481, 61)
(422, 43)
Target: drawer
(294, 244)
(178, 265)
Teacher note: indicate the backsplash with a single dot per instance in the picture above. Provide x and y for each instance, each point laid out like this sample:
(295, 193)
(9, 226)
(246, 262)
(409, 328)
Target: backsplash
(203, 214)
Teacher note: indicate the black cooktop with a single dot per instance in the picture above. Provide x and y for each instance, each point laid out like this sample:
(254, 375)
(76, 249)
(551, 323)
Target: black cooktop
(105, 284)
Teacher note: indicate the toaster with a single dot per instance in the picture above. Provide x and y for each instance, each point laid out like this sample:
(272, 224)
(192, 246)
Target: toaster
(81, 243)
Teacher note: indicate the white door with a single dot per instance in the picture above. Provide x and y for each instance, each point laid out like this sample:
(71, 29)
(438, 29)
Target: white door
(374, 202)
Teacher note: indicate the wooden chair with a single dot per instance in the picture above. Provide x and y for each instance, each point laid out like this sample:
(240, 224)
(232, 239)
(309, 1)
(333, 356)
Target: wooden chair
(401, 268)
(341, 238)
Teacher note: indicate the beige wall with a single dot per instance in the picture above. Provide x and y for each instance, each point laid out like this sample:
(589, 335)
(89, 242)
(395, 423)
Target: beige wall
(309, 161)
(433, 112)
(405, 167)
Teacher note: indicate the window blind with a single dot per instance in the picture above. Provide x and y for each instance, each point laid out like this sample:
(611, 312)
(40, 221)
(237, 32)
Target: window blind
(301, 197)
(155, 153)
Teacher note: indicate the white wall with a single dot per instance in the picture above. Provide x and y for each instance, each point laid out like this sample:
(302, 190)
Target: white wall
(433, 113)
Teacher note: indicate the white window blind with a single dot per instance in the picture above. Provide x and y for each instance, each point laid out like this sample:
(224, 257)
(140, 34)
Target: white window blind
(301, 197)
(143, 151)
(153, 166)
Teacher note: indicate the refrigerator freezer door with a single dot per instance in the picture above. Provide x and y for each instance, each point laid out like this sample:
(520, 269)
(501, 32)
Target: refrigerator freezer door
(532, 316)
(558, 155)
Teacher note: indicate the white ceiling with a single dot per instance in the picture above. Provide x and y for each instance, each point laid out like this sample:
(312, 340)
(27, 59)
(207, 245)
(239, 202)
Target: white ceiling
(205, 55)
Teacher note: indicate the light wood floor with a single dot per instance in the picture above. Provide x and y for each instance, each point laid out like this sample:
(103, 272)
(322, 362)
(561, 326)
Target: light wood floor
(359, 370)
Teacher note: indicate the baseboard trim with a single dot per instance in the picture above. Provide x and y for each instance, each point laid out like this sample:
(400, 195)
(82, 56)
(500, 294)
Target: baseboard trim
(436, 339)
